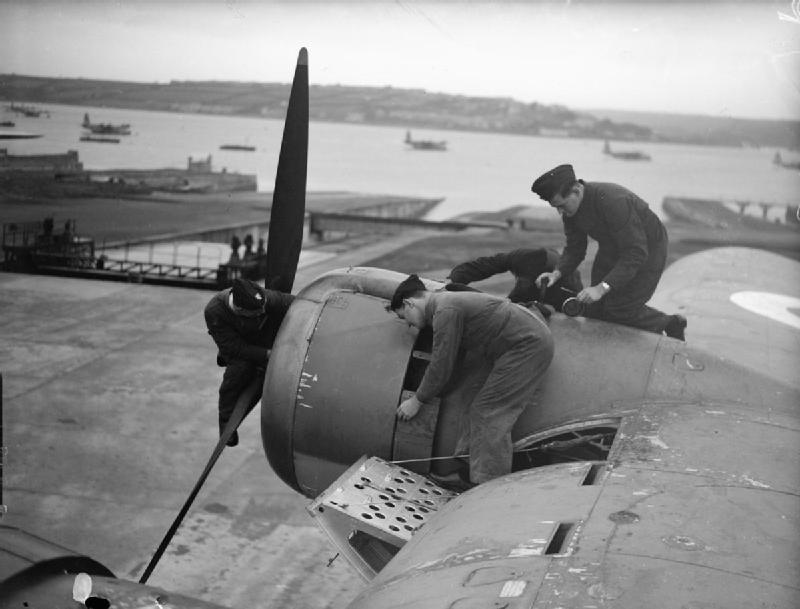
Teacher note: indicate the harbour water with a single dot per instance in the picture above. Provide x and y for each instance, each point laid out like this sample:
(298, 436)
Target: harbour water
(478, 172)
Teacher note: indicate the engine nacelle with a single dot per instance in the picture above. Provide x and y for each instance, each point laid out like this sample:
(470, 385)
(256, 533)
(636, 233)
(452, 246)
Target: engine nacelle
(334, 378)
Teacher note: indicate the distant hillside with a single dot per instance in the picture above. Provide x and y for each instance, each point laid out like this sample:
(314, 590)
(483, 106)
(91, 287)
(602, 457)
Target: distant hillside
(408, 108)
(692, 128)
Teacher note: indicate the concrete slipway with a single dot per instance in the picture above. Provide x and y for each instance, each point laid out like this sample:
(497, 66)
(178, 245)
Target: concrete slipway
(109, 416)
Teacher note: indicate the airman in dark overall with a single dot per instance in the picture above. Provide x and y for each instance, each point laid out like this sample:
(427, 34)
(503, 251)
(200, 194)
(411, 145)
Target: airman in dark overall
(526, 264)
(632, 249)
(243, 321)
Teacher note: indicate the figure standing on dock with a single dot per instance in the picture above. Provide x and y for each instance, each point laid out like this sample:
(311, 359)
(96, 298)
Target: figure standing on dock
(248, 248)
(243, 320)
(631, 255)
(236, 243)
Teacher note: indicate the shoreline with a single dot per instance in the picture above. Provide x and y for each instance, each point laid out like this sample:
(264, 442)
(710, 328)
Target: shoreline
(338, 107)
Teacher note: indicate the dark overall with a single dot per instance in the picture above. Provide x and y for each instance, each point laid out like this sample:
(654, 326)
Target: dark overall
(526, 264)
(519, 346)
(243, 343)
(631, 256)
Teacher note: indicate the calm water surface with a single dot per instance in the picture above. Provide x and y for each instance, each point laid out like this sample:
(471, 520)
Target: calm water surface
(480, 171)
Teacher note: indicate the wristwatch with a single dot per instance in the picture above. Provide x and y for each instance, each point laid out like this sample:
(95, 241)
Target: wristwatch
(605, 286)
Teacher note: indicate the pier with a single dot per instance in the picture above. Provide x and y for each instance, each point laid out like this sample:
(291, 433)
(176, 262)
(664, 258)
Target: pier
(203, 256)
(720, 213)
(766, 207)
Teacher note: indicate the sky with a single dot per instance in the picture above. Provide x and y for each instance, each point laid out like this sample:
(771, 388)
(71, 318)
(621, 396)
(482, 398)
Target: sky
(722, 59)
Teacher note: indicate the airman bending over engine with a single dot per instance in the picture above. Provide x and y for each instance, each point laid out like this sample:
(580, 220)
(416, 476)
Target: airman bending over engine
(514, 340)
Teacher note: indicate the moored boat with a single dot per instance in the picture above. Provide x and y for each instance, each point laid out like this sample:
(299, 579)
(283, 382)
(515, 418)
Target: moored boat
(243, 147)
(103, 140)
(18, 135)
(105, 128)
(625, 155)
(425, 144)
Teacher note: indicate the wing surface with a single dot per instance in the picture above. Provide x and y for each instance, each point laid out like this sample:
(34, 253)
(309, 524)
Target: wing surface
(742, 304)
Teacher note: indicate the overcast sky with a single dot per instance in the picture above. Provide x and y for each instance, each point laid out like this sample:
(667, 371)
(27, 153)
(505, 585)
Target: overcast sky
(723, 59)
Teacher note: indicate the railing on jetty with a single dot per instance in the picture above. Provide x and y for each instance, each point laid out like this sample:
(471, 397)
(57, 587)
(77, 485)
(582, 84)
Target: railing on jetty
(158, 269)
(90, 267)
(721, 213)
(36, 247)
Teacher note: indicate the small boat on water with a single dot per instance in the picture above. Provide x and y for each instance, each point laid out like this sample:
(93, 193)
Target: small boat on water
(18, 135)
(425, 144)
(102, 140)
(778, 160)
(105, 128)
(29, 111)
(7, 124)
(630, 155)
(243, 147)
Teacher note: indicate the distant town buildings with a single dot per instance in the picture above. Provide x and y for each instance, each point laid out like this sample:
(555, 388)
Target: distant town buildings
(199, 165)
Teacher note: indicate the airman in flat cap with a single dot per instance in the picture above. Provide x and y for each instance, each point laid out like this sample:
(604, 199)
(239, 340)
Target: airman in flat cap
(632, 249)
(516, 341)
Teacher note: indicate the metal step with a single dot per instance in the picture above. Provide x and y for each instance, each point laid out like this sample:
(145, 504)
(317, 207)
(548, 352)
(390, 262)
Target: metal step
(373, 509)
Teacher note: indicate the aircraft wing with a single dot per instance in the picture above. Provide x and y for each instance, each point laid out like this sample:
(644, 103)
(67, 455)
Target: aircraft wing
(695, 507)
(742, 304)
(695, 503)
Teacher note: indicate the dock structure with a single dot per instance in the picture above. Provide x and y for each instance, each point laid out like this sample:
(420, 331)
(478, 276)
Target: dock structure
(720, 212)
(28, 244)
(211, 257)
(197, 177)
(765, 206)
(40, 248)
(67, 162)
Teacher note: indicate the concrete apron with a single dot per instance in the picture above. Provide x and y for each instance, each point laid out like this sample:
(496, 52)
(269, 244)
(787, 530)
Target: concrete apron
(110, 394)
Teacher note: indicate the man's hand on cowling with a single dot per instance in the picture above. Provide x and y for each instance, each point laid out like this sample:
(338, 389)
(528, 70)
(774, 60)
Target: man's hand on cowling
(408, 409)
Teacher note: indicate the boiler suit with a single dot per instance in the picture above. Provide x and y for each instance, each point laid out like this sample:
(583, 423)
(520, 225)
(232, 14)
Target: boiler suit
(631, 255)
(243, 343)
(515, 341)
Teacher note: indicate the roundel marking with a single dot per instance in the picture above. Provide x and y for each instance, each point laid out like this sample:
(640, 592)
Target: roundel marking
(777, 307)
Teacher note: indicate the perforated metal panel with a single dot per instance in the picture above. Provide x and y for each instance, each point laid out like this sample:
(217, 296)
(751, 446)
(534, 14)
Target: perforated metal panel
(385, 501)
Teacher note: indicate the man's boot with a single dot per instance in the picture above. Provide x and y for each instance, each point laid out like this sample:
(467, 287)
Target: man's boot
(676, 326)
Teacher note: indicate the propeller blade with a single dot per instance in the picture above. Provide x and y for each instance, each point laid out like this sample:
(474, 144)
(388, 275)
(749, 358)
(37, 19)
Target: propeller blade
(244, 405)
(283, 252)
(289, 197)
